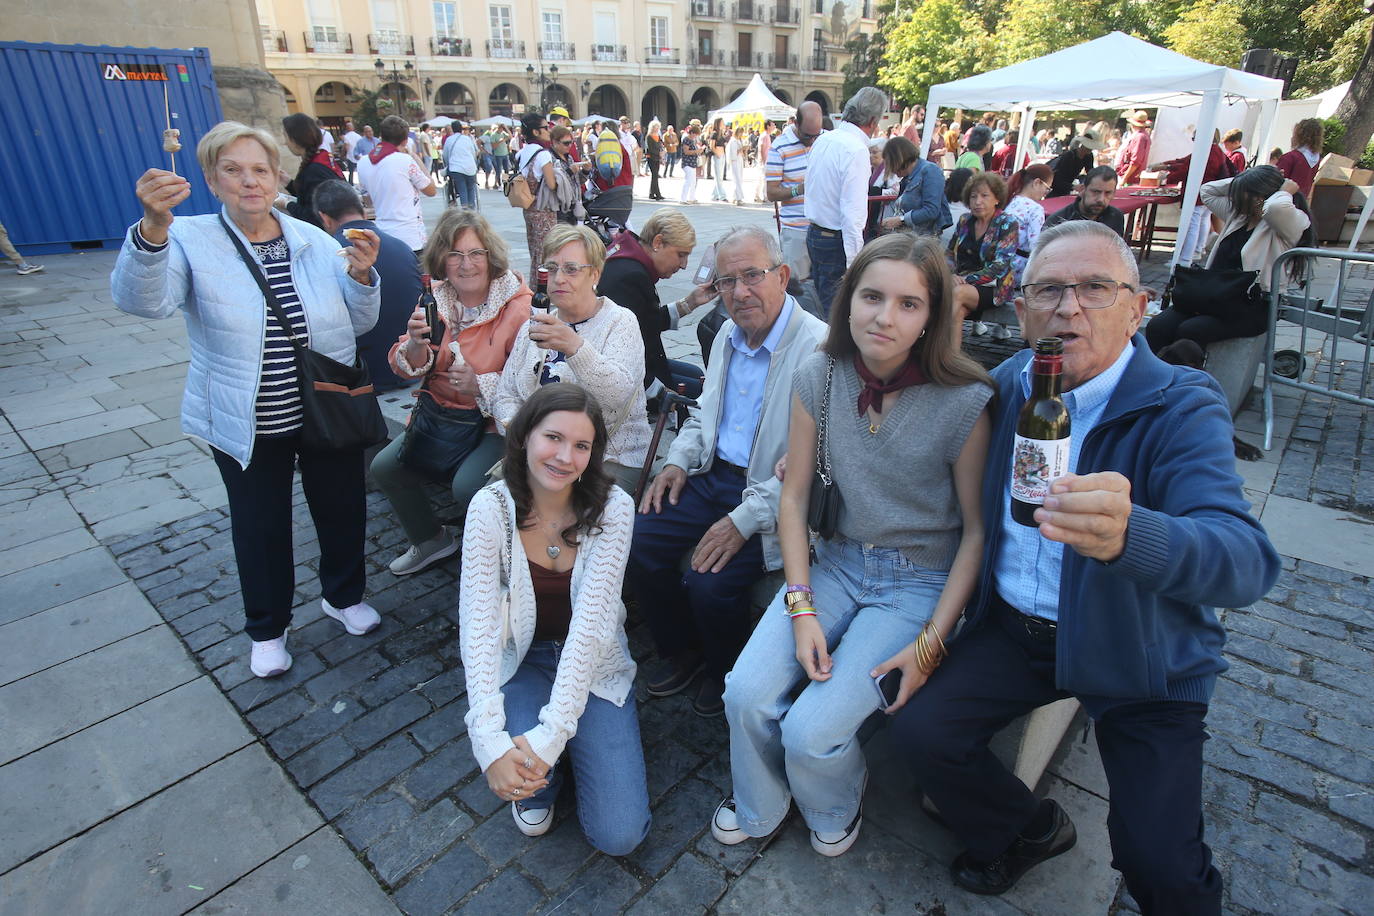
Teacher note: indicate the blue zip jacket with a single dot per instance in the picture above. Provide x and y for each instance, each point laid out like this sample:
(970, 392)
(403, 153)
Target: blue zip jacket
(1143, 627)
(922, 200)
(200, 274)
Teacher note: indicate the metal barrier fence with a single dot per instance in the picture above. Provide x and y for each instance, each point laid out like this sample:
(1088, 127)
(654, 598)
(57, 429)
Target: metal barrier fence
(1332, 316)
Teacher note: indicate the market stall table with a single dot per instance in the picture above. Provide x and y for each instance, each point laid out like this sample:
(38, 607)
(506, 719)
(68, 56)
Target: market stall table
(1132, 200)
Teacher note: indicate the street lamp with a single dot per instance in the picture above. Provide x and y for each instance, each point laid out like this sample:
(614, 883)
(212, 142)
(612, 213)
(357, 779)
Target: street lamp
(587, 86)
(394, 76)
(540, 82)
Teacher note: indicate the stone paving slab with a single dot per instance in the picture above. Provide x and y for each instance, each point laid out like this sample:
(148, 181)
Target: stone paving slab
(57, 582)
(57, 634)
(171, 853)
(54, 793)
(318, 876)
(66, 698)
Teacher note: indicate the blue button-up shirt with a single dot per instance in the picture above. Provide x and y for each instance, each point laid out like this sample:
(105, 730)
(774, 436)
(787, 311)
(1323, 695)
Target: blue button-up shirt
(742, 404)
(1028, 564)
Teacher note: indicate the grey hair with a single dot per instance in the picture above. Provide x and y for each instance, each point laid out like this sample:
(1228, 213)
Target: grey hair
(768, 240)
(878, 143)
(865, 106)
(1080, 231)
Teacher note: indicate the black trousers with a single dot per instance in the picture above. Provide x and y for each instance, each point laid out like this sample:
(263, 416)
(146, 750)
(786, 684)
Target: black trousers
(1151, 752)
(260, 517)
(654, 192)
(1171, 325)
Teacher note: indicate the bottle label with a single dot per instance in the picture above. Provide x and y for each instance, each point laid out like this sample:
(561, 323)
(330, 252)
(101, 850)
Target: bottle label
(1034, 463)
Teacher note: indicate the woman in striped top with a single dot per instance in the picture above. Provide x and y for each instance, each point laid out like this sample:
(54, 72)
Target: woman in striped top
(242, 395)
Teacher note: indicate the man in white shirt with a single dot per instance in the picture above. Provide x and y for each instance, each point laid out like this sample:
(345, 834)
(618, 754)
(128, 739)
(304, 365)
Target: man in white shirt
(460, 156)
(392, 177)
(350, 139)
(837, 175)
(631, 144)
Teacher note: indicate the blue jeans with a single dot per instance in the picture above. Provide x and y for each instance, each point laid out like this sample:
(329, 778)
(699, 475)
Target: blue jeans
(466, 186)
(606, 755)
(502, 165)
(871, 602)
(825, 247)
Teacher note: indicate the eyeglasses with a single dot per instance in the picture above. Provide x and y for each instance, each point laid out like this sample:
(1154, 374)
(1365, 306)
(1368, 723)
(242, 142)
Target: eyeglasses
(1091, 294)
(568, 270)
(458, 257)
(751, 277)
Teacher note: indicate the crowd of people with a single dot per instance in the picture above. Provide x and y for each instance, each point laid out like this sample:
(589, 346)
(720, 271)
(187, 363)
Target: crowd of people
(840, 436)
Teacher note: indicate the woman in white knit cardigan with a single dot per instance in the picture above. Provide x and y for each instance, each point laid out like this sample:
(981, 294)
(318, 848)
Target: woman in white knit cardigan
(549, 672)
(586, 339)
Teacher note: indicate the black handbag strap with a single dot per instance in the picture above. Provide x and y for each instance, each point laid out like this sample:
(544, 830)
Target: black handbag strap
(256, 270)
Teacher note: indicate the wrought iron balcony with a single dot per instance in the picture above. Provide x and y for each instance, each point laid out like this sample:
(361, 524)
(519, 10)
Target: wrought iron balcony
(662, 56)
(505, 48)
(612, 53)
(341, 44)
(699, 58)
(749, 11)
(786, 14)
(708, 9)
(445, 46)
(274, 41)
(556, 50)
(378, 43)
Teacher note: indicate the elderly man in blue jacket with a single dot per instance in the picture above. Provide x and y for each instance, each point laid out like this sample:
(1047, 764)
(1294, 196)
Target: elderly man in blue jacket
(1110, 599)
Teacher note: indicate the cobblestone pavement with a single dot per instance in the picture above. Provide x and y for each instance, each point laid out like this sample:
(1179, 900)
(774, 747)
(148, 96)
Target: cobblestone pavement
(370, 729)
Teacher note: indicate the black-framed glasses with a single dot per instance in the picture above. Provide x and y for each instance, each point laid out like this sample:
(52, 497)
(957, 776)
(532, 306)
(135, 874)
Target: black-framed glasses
(751, 277)
(1091, 294)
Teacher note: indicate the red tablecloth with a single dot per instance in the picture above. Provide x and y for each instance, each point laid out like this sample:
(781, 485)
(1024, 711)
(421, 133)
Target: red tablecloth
(1125, 201)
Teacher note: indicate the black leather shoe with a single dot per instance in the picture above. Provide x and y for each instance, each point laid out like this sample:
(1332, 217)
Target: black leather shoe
(710, 699)
(674, 675)
(1002, 873)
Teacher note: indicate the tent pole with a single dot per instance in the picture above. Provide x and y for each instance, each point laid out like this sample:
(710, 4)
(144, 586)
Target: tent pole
(1269, 110)
(928, 130)
(1023, 145)
(1202, 146)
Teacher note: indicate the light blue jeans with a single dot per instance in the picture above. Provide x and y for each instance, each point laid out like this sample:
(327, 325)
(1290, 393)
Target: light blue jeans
(606, 755)
(871, 602)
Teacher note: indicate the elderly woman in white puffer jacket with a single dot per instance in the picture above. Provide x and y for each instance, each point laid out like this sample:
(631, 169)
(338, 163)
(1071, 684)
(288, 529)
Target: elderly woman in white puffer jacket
(242, 396)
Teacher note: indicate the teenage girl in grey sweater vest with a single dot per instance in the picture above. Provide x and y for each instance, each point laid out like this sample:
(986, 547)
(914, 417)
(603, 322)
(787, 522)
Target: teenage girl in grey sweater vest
(905, 434)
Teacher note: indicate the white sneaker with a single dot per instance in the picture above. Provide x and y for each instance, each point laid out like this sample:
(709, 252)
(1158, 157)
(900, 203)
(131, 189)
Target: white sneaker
(532, 821)
(1000, 332)
(420, 556)
(979, 329)
(358, 619)
(26, 268)
(270, 657)
(725, 824)
(837, 843)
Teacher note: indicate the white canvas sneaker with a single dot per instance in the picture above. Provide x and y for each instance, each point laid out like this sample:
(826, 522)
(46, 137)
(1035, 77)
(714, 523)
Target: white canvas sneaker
(532, 821)
(421, 556)
(358, 619)
(270, 657)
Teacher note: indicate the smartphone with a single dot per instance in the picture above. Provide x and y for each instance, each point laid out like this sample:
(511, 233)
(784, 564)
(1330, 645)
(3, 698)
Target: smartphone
(706, 269)
(887, 686)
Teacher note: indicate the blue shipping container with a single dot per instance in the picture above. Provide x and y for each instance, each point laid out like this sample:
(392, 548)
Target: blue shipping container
(85, 122)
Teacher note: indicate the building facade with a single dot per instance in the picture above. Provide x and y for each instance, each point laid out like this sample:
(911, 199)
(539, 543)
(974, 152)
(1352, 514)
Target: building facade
(471, 59)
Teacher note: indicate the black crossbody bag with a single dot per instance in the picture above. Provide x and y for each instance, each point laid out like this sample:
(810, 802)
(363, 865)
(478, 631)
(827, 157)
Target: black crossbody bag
(823, 506)
(339, 409)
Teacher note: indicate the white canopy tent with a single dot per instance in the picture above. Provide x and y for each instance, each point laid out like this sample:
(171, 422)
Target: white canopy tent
(1114, 71)
(756, 98)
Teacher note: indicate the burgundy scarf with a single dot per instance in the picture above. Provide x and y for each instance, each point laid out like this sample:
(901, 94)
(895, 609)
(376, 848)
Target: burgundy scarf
(323, 158)
(874, 387)
(381, 151)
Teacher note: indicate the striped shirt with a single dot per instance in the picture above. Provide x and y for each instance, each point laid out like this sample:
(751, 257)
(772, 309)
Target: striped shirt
(786, 163)
(279, 396)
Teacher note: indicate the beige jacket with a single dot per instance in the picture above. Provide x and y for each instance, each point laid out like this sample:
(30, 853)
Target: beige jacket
(1281, 225)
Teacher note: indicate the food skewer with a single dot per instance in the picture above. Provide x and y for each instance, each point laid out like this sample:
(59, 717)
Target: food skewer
(171, 137)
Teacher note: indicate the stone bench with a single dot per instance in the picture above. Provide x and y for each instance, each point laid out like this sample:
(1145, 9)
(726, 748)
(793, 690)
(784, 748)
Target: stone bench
(1233, 363)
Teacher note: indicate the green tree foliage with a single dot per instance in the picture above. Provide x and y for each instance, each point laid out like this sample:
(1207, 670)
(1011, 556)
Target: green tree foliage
(1034, 28)
(941, 40)
(1210, 32)
(1337, 32)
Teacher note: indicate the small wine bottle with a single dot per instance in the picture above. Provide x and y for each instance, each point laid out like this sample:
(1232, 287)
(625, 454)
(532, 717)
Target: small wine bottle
(1041, 451)
(431, 309)
(541, 298)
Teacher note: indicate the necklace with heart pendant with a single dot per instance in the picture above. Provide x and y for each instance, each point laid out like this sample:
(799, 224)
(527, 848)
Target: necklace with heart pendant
(553, 550)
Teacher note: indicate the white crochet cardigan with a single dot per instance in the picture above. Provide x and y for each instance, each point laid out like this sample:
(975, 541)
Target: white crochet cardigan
(609, 364)
(596, 656)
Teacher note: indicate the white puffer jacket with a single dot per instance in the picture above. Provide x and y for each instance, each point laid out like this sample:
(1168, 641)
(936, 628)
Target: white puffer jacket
(201, 274)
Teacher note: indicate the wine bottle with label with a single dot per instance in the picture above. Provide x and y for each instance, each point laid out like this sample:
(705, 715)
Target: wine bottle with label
(1041, 450)
(541, 298)
(431, 309)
